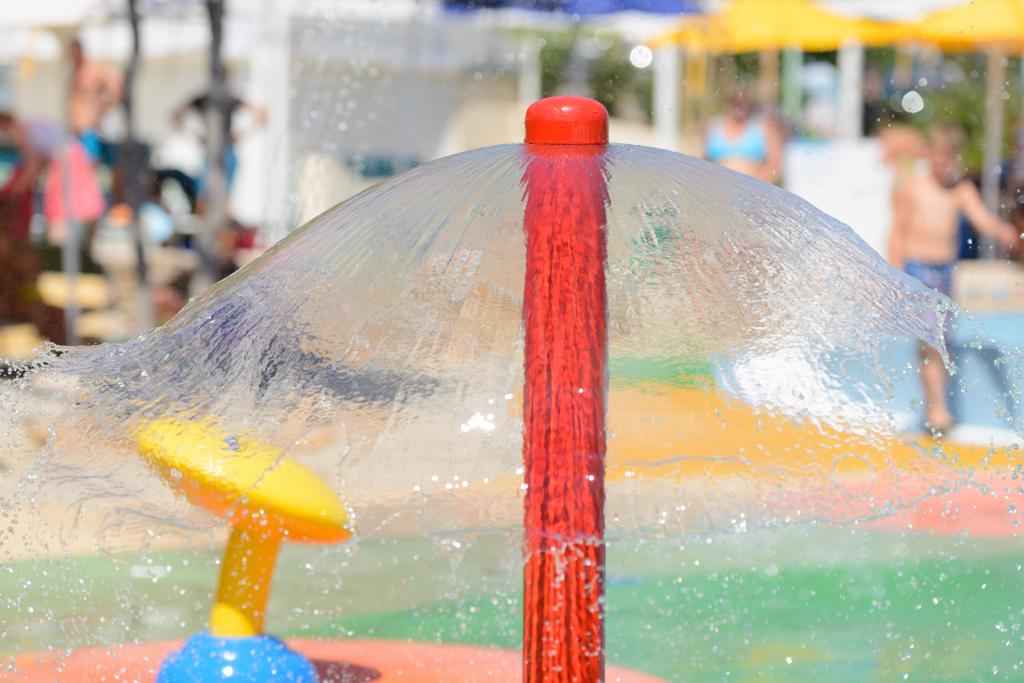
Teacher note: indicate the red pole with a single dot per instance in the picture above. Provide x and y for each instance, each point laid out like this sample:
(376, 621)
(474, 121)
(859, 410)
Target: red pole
(564, 312)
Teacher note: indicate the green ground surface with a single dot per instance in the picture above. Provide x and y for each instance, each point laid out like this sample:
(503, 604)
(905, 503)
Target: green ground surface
(670, 372)
(790, 605)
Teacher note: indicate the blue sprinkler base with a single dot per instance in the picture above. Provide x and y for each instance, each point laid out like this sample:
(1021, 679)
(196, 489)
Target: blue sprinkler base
(256, 659)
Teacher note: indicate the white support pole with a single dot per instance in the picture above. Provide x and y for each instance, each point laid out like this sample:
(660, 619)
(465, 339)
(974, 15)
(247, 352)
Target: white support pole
(1018, 131)
(792, 83)
(666, 97)
(995, 83)
(272, 61)
(851, 92)
(768, 79)
(529, 90)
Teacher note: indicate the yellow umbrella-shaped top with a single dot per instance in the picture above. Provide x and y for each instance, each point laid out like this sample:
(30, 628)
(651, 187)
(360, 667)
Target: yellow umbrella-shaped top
(971, 25)
(752, 25)
(248, 482)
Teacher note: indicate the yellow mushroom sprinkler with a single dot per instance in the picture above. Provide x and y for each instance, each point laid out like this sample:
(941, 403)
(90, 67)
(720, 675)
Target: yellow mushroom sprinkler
(266, 498)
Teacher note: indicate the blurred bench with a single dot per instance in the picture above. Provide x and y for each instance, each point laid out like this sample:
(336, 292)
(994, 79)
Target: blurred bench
(19, 341)
(989, 286)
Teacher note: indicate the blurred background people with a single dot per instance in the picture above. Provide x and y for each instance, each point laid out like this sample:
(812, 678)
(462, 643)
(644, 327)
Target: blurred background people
(35, 143)
(239, 118)
(929, 198)
(94, 89)
(744, 141)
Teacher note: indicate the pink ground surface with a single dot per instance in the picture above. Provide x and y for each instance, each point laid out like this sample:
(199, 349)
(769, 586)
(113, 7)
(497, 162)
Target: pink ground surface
(338, 661)
(985, 514)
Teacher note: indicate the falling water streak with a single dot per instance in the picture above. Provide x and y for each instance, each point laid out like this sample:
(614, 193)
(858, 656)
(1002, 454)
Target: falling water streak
(565, 388)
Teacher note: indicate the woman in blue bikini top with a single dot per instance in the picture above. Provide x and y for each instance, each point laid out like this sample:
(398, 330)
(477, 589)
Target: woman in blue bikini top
(743, 142)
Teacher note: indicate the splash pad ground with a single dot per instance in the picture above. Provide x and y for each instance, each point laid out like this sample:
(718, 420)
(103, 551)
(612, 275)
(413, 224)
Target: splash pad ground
(915, 592)
(348, 661)
(844, 605)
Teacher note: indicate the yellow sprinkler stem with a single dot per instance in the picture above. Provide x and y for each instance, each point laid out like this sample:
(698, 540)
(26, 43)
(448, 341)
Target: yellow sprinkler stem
(245, 573)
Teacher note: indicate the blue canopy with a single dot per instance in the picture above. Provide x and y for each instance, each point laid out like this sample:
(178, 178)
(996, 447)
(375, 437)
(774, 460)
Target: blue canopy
(580, 7)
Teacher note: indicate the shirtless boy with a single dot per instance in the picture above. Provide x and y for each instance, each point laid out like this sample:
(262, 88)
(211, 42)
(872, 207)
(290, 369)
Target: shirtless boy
(927, 202)
(95, 88)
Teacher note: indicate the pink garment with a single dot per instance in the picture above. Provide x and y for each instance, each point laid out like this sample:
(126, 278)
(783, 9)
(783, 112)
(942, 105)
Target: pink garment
(85, 197)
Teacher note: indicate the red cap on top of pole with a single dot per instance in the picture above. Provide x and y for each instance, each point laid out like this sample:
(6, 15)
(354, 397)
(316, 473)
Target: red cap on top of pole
(567, 120)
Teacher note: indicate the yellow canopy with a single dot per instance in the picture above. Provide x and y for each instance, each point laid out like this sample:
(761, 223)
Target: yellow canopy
(752, 25)
(971, 26)
(249, 482)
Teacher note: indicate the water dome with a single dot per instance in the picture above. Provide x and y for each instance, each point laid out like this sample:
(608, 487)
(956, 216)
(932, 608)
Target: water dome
(565, 390)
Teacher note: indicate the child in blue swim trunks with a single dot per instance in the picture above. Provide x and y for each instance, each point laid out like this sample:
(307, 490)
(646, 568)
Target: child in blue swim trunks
(938, 276)
(928, 199)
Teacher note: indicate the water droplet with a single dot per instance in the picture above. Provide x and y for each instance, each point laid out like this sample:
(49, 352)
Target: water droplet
(912, 102)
